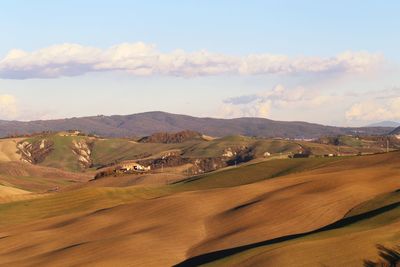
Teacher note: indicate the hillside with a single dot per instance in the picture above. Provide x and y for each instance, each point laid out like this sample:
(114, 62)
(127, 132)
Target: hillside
(167, 138)
(300, 212)
(81, 153)
(35, 178)
(8, 149)
(229, 201)
(144, 124)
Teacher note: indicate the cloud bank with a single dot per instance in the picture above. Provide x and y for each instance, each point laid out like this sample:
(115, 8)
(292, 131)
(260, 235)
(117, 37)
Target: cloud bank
(8, 106)
(370, 110)
(279, 97)
(144, 59)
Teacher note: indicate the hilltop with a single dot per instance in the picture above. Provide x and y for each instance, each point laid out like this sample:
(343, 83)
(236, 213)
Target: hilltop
(144, 124)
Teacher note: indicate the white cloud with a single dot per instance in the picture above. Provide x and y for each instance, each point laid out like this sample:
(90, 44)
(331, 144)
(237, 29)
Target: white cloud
(8, 106)
(145, 59)
(12, 109)
(260, 105)
(370, 110)
(257, 109)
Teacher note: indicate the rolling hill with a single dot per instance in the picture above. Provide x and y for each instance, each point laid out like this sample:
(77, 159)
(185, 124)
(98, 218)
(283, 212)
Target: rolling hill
(8, 150)
(143, 124)
(81, 153)
(295, 212)
(35, 178)
(267, 210)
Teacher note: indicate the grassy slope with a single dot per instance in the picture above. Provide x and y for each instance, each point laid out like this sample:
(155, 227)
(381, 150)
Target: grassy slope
(34, 183)
(375, 203)
(36, 178)
(8, 193)
(7, 190)
(111, 150)
(107, 151)
(353, 242)
(62, 157)
(231, 177)
(8, 149)
(197, 221)
(258, 146)
(48, 206)
(252, 173)
(81, 200)
(216, 147)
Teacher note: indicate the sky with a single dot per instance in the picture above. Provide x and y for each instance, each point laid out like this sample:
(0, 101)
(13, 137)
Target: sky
(328, 62)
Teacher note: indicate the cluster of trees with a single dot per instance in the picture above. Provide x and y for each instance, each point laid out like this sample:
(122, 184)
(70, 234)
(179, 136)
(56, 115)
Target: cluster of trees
(17, 135)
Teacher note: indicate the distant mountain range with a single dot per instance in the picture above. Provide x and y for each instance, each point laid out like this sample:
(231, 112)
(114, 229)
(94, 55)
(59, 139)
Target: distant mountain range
(385, 124)
(143, 124)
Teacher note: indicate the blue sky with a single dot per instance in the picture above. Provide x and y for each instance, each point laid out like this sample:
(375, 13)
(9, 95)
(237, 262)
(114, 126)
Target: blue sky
(327, 62)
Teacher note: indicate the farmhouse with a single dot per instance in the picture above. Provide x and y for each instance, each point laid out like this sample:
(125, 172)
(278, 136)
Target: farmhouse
(132, 167)
(122, 168)
(70, 133)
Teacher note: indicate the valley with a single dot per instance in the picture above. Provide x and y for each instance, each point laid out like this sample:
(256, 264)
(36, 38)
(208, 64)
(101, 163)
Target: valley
(235, 200)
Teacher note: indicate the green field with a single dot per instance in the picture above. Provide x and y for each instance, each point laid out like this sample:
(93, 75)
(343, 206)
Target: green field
(109, 151)
(253, 173)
